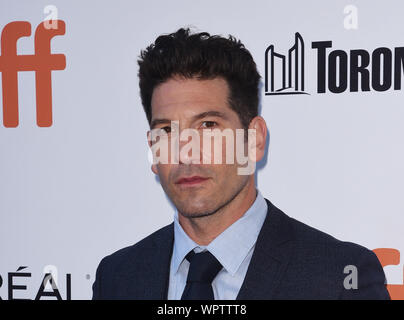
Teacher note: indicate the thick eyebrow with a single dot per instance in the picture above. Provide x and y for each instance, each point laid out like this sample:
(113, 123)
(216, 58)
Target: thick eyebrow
(206, 114)
(199, 116)
(158, 121)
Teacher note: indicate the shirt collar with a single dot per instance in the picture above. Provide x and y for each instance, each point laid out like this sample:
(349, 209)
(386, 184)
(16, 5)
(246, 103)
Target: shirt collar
(232, 246)
(182, 243)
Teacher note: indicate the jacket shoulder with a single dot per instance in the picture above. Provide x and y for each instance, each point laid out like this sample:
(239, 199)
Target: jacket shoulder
(326, 261)
(140, 248)
(135, 258)
(306, 236)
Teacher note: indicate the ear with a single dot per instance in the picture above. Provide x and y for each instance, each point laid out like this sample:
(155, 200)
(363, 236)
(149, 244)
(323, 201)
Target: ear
(154, 169)
(259, 125)
(150, 143)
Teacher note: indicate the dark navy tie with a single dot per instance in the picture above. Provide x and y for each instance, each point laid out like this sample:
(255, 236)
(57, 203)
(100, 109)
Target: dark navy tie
(203, 269)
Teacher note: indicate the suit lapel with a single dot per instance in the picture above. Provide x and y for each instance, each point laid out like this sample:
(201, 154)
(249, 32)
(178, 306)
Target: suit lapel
(270, 258)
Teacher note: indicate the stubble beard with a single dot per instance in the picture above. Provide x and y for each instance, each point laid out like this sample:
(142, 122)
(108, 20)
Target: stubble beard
(195, 214)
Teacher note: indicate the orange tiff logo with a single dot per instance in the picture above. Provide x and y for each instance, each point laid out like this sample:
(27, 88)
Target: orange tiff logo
(42, 62)
(390, 256)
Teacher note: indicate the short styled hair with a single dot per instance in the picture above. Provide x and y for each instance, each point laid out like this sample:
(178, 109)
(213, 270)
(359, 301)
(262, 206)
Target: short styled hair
(201, 56)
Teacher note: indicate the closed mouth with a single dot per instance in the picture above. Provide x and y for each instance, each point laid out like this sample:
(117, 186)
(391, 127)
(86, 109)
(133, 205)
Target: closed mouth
(191, 180)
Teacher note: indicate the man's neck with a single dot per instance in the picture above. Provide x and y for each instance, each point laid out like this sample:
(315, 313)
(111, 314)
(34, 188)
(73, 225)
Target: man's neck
(203, 230)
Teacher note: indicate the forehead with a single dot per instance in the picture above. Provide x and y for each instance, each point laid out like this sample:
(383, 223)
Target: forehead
(184, 97)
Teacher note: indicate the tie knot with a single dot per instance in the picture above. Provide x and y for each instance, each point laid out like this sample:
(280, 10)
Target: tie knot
(203, 267)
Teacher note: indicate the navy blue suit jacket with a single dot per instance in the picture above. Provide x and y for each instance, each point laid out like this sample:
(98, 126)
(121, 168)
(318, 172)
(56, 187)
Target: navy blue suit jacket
(291, 261)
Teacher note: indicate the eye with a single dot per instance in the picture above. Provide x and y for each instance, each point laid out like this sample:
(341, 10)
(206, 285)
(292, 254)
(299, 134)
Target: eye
(209, 124)
(167, 129)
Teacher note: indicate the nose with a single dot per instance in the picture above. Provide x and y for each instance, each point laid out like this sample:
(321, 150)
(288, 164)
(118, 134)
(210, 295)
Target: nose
(190, 147)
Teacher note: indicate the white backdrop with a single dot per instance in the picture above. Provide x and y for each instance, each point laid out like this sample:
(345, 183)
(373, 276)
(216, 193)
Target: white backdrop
(82, 188)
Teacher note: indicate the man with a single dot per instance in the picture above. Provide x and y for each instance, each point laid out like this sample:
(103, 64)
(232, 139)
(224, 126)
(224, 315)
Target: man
(226, 241)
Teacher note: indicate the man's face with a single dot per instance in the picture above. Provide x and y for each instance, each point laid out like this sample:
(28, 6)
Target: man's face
(196, 189)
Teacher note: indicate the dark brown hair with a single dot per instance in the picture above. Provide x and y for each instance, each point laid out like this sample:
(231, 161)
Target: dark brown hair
(201, 56)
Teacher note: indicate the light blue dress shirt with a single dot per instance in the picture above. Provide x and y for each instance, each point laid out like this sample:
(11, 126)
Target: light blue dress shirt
(233, 248)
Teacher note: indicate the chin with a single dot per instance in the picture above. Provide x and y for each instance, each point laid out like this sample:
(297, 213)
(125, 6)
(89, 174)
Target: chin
(195, 210)
(194, 215)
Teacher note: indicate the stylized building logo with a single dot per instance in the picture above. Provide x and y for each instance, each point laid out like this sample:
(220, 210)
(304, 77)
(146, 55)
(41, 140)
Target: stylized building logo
(285, 74)
(42, 62)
